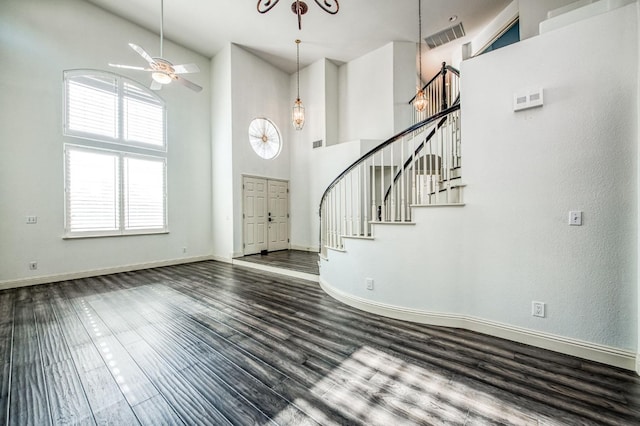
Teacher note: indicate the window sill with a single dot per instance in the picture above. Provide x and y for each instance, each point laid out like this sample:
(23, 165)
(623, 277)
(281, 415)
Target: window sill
(128, 234)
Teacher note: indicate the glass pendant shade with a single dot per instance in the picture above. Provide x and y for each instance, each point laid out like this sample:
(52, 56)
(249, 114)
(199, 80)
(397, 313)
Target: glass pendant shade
(297, 115)
(161, 77)
(420, 102)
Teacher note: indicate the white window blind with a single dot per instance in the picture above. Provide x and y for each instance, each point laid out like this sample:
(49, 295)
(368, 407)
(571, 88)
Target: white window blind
(93, 190)
(144, 193)
(92, 106)
(108, 107)
(143, 117)
(115, 167)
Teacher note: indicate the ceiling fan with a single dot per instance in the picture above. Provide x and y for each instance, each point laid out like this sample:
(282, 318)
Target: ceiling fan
(162, 71)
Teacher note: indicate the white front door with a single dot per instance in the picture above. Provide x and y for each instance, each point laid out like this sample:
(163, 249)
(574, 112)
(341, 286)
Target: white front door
(278, 215)
(265, 214)
(255, 215)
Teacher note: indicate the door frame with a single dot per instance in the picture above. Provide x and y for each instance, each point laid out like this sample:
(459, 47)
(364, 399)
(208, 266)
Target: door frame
(267, 179)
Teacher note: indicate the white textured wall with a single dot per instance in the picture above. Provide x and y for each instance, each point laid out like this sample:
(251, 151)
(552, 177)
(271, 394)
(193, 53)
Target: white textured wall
(638, 192)
(38, 40)
(525, 171)
(332, 113)
(532, 12)
(222, 216)
(258, 90)
(313, 82)
(310, 176)
(404, 84)
(366, 99)
(313, 92)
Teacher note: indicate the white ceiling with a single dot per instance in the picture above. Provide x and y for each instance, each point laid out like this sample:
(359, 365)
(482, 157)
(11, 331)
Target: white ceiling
(360, 26)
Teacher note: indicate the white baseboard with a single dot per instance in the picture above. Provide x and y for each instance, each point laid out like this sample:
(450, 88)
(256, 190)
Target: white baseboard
(45, 279)
(221, 259)
(304, 248)
(586, 350)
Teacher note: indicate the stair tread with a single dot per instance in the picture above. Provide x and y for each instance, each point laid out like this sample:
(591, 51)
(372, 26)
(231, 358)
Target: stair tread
(438, 205)
(395, 222)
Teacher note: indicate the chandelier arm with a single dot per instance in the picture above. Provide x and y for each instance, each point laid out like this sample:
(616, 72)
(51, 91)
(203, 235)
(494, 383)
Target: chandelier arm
(266, 5)
(331, 7)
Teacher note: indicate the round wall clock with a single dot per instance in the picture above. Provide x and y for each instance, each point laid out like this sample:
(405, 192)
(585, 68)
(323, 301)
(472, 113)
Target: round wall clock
(264, 138)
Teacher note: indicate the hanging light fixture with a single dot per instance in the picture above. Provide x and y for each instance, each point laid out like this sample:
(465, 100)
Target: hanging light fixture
(420, 102)
(300, 8)
(297, 115)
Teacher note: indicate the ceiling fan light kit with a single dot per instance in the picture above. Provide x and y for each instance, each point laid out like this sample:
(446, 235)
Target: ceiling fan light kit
(161, 77)
(162, 71)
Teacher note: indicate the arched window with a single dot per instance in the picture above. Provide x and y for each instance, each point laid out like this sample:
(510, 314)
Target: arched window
(115, 156)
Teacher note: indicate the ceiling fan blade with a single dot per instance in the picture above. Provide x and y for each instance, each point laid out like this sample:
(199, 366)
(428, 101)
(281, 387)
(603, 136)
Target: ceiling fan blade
(142, 53)
(155, 85)
(130, 67)
(188, 84)
(185, 68)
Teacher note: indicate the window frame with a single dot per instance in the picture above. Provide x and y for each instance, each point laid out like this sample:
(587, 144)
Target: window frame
(118, 147)
(119, 82)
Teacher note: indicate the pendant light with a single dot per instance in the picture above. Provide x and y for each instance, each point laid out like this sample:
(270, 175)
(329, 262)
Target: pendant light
(297, 115)
(420, 102)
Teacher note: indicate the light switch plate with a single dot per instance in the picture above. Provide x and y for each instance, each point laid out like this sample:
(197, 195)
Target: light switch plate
(575, 218)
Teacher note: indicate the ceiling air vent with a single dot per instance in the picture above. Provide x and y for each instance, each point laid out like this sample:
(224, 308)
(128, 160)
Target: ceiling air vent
(317, 144)
(445, 36)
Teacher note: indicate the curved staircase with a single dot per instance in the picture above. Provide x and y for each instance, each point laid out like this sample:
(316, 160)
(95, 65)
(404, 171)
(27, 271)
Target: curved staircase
(420, 166)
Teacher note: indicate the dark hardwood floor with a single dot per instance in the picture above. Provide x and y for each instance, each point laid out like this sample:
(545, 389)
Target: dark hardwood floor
(214, 344)
(295, 260)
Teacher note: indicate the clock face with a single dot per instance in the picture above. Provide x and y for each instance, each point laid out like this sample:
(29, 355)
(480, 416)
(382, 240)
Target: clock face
(264, 138)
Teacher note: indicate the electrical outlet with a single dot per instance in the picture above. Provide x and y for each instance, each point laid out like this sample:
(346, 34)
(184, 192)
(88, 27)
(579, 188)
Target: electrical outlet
(537, 309)
(33, 265)
(32, 219)
(369, 282)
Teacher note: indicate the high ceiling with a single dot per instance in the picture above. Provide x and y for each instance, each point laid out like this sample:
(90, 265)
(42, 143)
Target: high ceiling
(360, 26)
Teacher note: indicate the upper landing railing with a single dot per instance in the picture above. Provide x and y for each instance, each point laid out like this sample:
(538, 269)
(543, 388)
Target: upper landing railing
(440, 92)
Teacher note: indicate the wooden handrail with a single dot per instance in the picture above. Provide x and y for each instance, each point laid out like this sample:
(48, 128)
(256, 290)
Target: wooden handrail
(388, 142)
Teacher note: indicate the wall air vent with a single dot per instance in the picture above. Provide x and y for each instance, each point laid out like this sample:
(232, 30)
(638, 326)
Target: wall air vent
(445, 36)
(317, 144)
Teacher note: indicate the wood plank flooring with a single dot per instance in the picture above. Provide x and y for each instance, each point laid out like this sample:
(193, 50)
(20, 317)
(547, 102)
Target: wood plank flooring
(295, 260)
(214, 344)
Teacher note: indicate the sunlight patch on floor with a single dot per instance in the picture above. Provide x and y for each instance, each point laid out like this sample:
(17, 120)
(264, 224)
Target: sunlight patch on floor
(379, 388)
